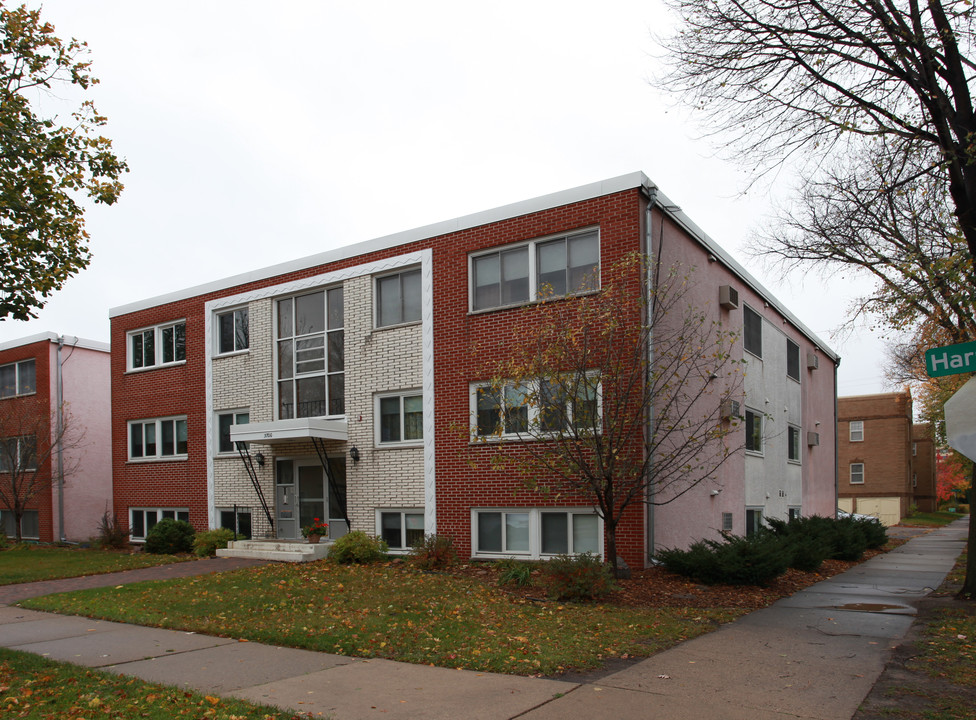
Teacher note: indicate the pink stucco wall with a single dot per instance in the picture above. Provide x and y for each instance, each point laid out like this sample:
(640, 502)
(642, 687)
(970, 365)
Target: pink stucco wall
(671, 522)
(88, 440)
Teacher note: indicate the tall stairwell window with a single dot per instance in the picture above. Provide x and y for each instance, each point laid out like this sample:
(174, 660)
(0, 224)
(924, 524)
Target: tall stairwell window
(311, 355)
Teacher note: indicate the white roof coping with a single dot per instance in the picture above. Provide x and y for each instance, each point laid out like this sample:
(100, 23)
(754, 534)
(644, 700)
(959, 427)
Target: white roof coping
(294, 429)
(504, 212)
(69, 341)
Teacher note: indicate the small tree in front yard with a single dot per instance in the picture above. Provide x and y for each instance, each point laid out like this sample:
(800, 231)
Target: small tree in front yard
(30, 437)
(622, 395)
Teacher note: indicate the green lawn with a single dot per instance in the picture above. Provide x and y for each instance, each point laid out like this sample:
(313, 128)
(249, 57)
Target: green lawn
(30, 563)
(393, 611)
(33, 687)
(933, 519)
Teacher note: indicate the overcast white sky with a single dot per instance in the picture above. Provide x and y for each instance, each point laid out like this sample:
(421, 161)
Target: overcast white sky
(260, 132)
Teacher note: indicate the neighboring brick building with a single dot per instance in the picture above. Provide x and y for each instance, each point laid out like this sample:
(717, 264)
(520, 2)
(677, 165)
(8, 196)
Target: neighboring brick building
(350, 372)
(886, 464)
(33, 371)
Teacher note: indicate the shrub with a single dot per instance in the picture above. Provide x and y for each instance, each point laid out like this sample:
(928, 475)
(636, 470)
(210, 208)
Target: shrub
(169, 537)
(4, 542)
(514, 572)
(358, 547)
(206, 543)
(111, 532)
(578, 577)
(434, 552)
(874, 533)
(753, 560)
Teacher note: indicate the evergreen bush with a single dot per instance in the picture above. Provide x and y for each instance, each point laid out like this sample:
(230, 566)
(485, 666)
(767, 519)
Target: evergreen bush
(170, 537)
(735, 560)
(206, 543)
(358, 547)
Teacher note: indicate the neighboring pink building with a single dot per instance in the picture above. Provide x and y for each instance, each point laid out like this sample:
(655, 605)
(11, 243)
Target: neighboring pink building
(34, 372)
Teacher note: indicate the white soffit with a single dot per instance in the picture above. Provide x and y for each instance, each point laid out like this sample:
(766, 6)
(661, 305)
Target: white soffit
(294, 429)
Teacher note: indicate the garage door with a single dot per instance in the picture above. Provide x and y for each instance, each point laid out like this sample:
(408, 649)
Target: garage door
(886, 509)
(845, 504)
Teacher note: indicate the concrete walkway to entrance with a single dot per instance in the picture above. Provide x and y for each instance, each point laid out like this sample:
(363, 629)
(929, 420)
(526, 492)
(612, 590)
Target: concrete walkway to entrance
(816, 654)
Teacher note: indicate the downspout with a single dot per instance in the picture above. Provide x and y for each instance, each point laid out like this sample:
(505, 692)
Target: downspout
(649, 284)
(836, 440)
(59, 437)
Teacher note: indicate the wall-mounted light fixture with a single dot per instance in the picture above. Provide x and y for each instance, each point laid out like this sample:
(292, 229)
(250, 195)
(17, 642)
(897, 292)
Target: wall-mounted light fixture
(260, 458)
(354, 453)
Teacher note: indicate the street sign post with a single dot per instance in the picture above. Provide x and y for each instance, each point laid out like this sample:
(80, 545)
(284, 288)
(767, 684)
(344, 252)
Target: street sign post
(960, 419)
(951, 359)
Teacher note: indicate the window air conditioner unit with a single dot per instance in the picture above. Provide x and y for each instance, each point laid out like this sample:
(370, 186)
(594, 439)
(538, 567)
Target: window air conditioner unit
(730, 409)
(813, 361)
(813, 438)
(728, 297)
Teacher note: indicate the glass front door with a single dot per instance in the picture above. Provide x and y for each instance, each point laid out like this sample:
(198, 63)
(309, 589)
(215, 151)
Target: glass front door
(299, 496)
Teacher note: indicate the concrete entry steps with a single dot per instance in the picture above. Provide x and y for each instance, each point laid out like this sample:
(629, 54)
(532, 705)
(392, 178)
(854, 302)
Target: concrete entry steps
(278, 550)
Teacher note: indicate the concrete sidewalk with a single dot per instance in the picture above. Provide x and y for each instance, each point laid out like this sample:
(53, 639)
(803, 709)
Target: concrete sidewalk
(816, 654)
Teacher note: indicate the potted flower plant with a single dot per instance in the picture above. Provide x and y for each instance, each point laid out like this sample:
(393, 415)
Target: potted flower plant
(315, 531)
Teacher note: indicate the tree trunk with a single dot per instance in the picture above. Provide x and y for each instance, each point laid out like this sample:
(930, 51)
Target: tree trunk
(612, 549)
(969, 584)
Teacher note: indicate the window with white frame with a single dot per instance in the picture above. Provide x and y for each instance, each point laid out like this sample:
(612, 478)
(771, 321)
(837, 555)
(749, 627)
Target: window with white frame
(752, 331)
(18, 378)
(311, 355)
(536, 532)
(233, 331)
(792, 360)
(225, 421)
(160, 438)
(551, 267)
(793, 444)
(401, 418)
(156, 346)
(237, 519)
(857, 473)
(793, 513)
(401, 529)
(398, 298)
(30, 524)
(727, 522)
(857, 430)
(18, 454)
(754, 431)
(549, 405)
(142, 520)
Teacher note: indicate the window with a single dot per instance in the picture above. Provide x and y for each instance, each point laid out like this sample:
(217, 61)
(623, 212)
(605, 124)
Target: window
(401, 419)
(793, 444)
(857, 430)
(18, 378)
(752, 331)
(232, 331)
(155, 439)
(792, 360)
(401, 529)
(538, 269)
(726, 522)
(548, 405)
(225, 421)
(30, 524)
(536, 532)
(857, 473)
(18, 454)
(754, 431)
(236, 519)
(753, 520)
(914, 449)
(160, 345)
(398, 298)
(794, 514)
(142, 520)
(311, 355)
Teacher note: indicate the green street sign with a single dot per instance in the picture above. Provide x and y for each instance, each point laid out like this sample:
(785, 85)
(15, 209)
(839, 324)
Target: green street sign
(951, 359)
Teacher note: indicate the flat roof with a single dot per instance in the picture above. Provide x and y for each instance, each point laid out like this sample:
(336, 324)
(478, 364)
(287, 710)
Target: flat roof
(69, 341)
(294, 429)
(505, 212)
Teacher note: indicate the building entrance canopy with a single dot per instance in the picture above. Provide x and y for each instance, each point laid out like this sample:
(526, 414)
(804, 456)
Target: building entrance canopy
(294, 429)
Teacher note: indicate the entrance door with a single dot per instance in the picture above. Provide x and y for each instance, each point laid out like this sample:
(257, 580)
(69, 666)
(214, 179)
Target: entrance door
(299, 497)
